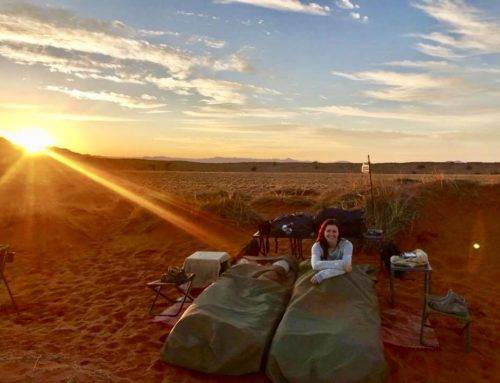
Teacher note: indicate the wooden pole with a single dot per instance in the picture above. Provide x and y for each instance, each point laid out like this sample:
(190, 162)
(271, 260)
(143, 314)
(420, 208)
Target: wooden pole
(371, 185)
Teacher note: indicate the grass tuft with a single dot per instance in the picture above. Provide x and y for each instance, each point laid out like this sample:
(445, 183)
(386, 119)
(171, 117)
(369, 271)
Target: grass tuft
(233, 206)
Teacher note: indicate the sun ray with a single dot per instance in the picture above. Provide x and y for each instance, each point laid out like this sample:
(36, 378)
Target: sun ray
(11, 171)
(197, 225)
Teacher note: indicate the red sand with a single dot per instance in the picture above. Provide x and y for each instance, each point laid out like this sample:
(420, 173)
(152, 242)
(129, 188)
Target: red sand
(84, 256)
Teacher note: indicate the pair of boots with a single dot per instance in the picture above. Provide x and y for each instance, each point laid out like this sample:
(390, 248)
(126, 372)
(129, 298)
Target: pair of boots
(451, 303)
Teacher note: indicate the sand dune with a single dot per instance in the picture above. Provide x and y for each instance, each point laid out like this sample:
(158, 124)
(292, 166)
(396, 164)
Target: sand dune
(84, 255)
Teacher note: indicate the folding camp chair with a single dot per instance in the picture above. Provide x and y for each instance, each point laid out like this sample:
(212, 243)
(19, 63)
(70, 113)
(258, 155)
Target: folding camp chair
(184, 287)
(6, 256)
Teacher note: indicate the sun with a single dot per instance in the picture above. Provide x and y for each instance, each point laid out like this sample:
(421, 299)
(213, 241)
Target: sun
(32, 140)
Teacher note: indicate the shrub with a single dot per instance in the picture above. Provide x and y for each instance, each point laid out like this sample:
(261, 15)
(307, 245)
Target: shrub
(233, 206)
(395, 208)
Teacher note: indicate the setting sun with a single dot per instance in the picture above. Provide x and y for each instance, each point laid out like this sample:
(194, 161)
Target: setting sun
(32, 140)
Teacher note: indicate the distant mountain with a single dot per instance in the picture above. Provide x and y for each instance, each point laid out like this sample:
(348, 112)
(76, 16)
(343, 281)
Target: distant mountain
(221, 160)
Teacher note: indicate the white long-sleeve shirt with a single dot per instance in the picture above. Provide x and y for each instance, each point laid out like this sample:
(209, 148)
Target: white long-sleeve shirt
(336, 261)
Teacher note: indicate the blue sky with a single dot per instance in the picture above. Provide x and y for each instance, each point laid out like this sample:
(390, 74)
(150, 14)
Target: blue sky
(327, 81)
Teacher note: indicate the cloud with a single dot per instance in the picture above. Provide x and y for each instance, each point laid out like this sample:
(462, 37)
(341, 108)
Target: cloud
(236, 112)
(438, 51)
(364, 134)
(406, 87)
(34, 31)
(346, 4)
(439, 118)
(428, 65)
(116, 98)
(207, 41)
(84, 66)
(86, 117)
(467, 30)
(284, 5)
(213, 91)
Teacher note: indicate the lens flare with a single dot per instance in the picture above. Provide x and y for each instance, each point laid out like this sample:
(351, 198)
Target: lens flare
(32, 140)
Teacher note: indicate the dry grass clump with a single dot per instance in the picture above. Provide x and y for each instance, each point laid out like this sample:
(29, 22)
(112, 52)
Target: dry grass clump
(233, 206)
(351, 200)
(297, 191)
(393, 210)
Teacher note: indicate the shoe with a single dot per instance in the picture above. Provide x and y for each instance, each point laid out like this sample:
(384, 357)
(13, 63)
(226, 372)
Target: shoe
(444, 297)
(452, 303)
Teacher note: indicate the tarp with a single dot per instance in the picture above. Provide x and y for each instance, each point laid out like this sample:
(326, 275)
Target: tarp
(330, 332)
(229, 327)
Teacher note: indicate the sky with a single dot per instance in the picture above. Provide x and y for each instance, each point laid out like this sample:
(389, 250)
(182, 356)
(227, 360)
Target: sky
(325, 81)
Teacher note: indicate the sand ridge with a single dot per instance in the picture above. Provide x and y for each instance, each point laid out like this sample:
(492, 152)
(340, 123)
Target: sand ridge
(84, 256)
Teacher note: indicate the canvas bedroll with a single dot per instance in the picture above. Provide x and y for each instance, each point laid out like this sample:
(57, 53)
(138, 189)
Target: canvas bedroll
(229, 327)
(330, 332)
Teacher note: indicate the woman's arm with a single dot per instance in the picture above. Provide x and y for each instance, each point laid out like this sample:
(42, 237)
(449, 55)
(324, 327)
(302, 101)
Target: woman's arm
(343, 264)
(347, 256)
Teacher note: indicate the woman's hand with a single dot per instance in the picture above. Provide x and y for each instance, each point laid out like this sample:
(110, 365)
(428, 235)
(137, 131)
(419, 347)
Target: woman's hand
(347, 267)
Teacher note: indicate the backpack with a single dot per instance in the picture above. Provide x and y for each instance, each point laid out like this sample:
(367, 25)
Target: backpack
(350, 221)
(386, 252)
(299, 225)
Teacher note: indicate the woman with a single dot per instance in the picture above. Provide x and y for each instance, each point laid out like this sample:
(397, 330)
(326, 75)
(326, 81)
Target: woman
(330, 255)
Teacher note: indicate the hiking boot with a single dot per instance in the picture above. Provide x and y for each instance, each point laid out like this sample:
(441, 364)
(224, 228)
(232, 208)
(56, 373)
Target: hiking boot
(452, 303)
(442, 298)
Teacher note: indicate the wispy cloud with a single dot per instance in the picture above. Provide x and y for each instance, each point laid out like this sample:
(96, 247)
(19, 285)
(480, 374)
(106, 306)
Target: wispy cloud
(237, 112)
(285, 5)
(427, 65)
(406, 87)
(32, 32)
(116, 98)
(438, 117)
(213, 91)
(207, 41)
(468, 31)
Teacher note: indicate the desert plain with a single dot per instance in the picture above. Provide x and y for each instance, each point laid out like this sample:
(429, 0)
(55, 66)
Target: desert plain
(88, 239)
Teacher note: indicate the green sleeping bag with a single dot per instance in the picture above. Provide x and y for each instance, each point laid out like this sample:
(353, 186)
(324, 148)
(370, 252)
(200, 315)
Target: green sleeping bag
(229, 327)
(330, 332)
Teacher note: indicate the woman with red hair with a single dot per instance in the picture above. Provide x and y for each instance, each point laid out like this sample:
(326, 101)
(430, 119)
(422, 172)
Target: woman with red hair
(331, 255)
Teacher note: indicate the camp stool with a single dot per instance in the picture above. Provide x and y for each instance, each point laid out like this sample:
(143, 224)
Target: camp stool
(182, 286)
(465, 318)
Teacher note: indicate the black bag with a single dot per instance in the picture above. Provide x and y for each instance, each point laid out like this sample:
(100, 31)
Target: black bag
(251, 248)
(386, 252)
(299, 225)
(350, 221)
